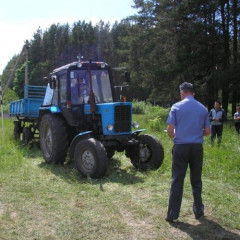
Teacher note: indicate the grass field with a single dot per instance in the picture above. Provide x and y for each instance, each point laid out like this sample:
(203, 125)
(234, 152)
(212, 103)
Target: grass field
(39, 201)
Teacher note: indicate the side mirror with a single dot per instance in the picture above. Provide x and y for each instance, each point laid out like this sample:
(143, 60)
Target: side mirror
(45, 80)
(52, 82)
(127, 77)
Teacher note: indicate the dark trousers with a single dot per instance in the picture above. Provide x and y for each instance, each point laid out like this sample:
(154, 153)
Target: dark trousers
(184, 155)
(216, 130)
(237, 127)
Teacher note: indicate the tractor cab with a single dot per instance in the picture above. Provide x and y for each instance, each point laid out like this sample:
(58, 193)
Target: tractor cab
(74, 82)
(83, 93)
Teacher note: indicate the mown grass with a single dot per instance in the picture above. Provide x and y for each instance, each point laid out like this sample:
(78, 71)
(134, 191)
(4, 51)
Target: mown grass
(39, 201)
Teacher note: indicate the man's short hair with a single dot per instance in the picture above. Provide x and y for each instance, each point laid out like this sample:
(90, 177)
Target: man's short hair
(218, 102)
(186, 87)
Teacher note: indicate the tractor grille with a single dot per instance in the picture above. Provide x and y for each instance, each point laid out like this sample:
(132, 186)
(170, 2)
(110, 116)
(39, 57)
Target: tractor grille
(122, 119)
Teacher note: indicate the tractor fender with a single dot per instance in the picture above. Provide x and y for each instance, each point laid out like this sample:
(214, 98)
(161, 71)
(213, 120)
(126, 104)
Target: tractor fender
(47, 110)
(76, 139)
(139, 131)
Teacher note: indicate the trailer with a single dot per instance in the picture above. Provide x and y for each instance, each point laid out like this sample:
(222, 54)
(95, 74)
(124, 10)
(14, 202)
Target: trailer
(26, 111)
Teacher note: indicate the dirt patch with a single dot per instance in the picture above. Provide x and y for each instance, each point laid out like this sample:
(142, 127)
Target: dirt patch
(13, 216)
(139, 229)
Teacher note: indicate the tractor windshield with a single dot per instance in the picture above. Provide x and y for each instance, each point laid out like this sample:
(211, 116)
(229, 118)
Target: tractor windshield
(80, 86)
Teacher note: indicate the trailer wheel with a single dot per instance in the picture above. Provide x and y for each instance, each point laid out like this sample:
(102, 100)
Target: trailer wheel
(17, 130)
(91, 158)
(53, 138)
(148, 154)
(27, 135)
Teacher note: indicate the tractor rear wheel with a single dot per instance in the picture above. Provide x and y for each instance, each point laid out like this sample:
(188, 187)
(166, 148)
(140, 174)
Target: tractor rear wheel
(91, 158)
(53, 138)
(148, 154)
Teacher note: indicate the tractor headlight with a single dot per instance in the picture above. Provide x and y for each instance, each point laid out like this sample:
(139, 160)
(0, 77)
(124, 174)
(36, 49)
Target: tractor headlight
(135, 124)
(102, 65)
(109, 127)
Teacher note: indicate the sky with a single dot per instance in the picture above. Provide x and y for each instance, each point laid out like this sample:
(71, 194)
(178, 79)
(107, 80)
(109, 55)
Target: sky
(19, 19)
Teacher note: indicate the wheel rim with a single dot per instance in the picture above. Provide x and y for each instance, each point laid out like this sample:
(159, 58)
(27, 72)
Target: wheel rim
(88, 160)
(144, 153)
(47, 141)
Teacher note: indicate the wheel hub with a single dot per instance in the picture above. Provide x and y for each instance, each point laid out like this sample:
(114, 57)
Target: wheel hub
(88, 160)
(144, 153)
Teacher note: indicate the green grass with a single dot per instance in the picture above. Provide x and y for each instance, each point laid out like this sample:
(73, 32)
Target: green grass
(40, 201)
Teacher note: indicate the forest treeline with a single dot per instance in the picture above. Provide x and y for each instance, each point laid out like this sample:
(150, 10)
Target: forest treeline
(164, 44)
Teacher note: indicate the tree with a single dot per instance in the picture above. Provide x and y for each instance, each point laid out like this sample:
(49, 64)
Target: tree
(235, 82)
(18, 81)
(8, 70)
(36, 47)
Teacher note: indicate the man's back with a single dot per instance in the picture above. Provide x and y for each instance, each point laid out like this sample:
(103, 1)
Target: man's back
(190, 118)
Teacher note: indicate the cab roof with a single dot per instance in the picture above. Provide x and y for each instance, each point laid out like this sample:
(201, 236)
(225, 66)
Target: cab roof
(81, 65)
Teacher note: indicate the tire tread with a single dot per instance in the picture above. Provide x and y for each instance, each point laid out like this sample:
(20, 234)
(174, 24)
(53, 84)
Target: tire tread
(157, 155)
(99, 152)
(59, 138)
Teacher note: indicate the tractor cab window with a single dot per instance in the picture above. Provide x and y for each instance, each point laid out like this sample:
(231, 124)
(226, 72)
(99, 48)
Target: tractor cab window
(63, 88)
(80, 86)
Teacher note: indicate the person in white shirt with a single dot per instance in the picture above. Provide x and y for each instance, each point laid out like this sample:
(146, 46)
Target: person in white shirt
(237, 120)
(216, 117)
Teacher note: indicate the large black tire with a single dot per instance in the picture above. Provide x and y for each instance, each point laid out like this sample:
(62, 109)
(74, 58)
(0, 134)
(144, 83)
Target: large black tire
(53, 138)
(148, 154)
(17, 130)
(27, 135)
(90, 158)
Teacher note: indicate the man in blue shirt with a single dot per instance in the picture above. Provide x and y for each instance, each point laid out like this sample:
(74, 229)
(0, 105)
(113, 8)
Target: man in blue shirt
(188, 122)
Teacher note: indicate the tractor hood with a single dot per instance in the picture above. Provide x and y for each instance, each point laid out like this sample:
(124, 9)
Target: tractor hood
(116, 117)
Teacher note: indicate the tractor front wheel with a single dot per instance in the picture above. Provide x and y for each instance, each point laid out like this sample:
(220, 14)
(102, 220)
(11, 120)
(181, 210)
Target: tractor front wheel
(91, 158)
(148, 154)
(53, 138)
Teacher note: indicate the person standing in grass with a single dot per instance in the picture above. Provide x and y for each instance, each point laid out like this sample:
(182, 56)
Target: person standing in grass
(237, 120)
(217, 116)
(188, 122)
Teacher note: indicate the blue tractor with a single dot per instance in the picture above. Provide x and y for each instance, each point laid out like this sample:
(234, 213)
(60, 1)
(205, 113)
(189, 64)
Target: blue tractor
(79, 113)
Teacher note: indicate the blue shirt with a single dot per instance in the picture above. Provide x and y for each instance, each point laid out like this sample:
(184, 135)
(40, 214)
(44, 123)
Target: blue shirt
(190, 118)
